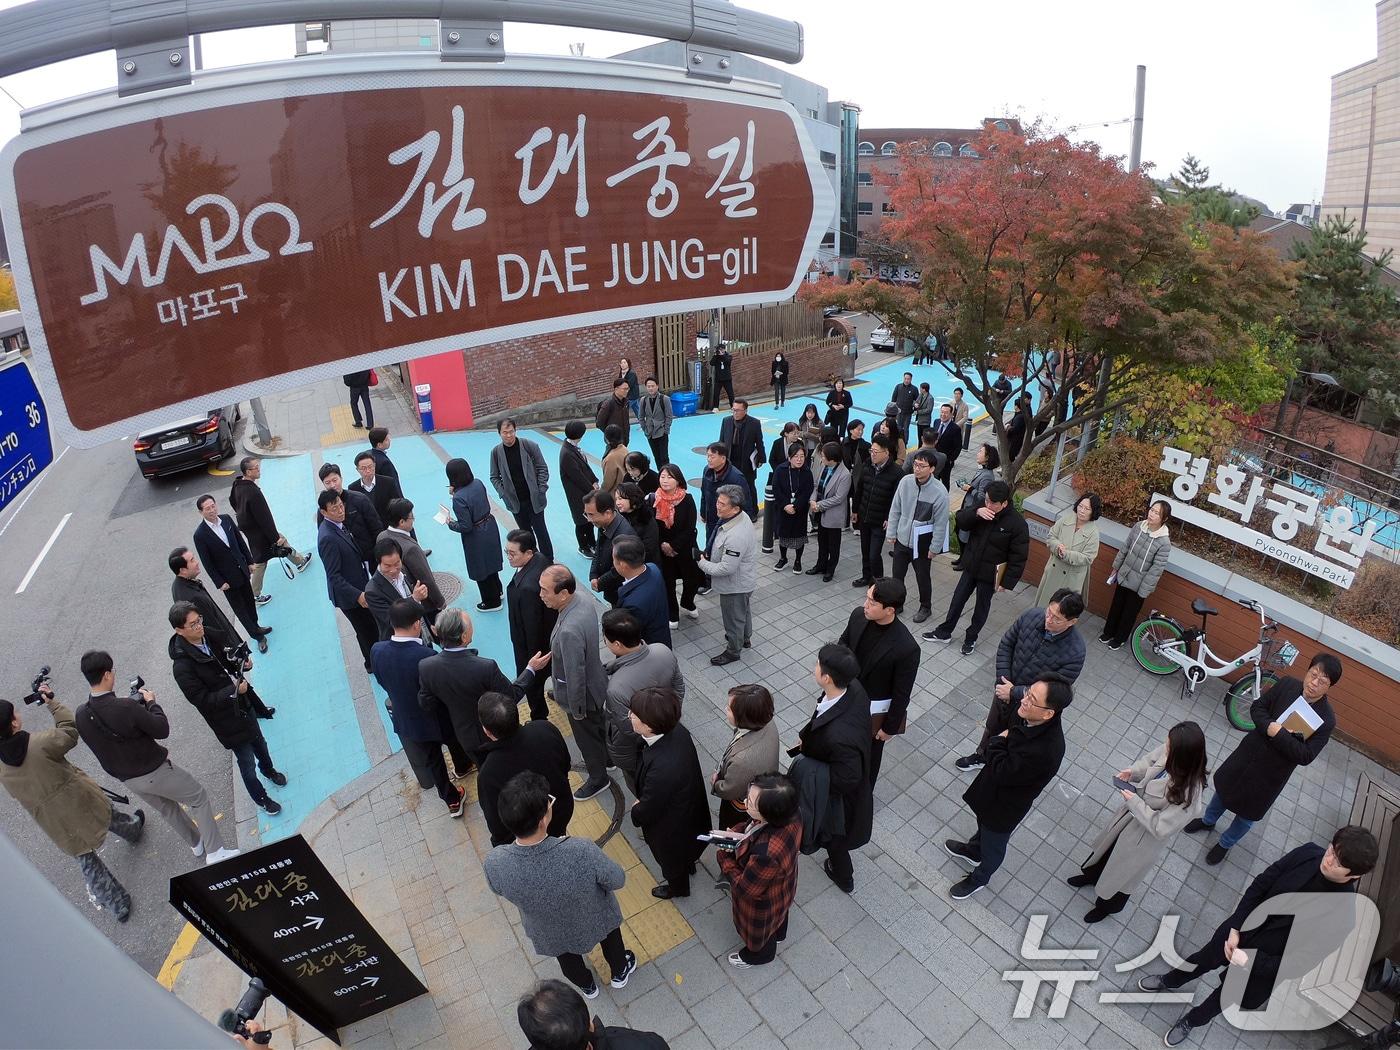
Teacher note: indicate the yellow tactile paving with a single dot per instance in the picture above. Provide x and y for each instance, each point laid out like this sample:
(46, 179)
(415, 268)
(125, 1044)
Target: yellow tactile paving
(342, 430)
(650, 927)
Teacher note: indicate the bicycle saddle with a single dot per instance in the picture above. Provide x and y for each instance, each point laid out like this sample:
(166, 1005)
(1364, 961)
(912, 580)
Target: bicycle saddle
(1200, 608)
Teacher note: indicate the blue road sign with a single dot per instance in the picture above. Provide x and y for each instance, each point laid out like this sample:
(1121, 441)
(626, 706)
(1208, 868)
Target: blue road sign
(26, 446)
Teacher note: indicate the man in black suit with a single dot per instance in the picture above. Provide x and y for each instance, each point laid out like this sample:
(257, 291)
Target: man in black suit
(904, 395)
(188, 587)
(579, 480)
(601, 510)
(224, 552)
(346, 573)
(453, 681)
(531, 621)
(838, 734)
(948, 440)
(380, 491)
(358, 382)
(392, 582)
(888, 657)
(257, 524)
(1302, 937)
(744, 436)
(379, 442)
(398, 521)
(361, 518)
(511, 748)
(1021, 762)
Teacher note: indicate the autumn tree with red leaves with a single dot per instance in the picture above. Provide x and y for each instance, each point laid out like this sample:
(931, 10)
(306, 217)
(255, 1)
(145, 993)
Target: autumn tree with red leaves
(1047, 247)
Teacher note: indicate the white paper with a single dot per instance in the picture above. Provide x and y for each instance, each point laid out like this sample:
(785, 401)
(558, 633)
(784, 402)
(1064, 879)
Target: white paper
(879, 707)
(1303, 710)
(441, 516)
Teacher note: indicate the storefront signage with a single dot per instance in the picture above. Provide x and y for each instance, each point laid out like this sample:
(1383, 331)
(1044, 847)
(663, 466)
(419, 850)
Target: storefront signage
(1334, 556)
(280, 916)
(173, 254)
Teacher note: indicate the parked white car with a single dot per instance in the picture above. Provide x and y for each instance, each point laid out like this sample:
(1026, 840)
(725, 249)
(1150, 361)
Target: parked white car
(882, 339)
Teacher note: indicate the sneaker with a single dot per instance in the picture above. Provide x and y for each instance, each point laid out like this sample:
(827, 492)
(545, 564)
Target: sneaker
(220, 854)
(967, 649)
(937, 635)
(704, 590)
(673, 624)
(280, 779)
(455, 810)
(1104, 639)
(970, 763)
(692, 614)
(621, 982)
(272, 807)
(780, 565)
(1153, 982)
(483, 607)
(591, 992)
(1216, 855)
(590, 788)
(1115, 646)
(923, 614)
(766, 550)
(1176, 1035)
(797, 567)
(961, 852)
(304, 564)
(736, 960)
(197, 849)
(263, 599)
(964, 889)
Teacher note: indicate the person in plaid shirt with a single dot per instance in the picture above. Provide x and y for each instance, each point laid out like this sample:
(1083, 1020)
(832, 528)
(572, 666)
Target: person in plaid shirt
(762, 868)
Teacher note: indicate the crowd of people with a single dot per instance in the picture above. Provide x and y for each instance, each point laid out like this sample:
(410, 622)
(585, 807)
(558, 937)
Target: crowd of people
(604, 642)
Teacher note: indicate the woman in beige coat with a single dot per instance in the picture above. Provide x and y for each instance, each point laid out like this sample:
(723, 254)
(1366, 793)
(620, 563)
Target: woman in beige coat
(614, 459)
(1173, 780)
(753, 750)
(1074, 544)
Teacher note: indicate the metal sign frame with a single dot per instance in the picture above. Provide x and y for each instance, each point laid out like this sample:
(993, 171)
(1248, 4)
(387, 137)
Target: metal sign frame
(65, 120)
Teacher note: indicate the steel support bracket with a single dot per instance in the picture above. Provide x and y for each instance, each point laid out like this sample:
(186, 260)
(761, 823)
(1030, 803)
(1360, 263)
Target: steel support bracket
(152, 41)
(708, 63)
(472, 40)
(717, 24)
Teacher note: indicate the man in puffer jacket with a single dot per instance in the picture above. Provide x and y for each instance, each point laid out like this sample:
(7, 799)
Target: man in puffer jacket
(870, 510)
(1040, 642)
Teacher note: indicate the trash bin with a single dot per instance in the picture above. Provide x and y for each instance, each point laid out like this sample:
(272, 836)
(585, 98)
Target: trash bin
(684, 403)
(424, 393)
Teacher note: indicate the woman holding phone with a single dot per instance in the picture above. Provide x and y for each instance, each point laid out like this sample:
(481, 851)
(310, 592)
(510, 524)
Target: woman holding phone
(1172, 782)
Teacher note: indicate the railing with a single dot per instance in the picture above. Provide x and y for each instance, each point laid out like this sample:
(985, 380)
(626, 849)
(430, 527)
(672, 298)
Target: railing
(151, 36)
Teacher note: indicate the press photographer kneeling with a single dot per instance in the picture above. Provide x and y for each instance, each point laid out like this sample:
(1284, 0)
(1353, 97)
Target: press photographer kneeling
(213, 681)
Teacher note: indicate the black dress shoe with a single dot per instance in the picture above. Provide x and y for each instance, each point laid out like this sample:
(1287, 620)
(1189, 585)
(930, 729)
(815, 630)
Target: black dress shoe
(815, 572)
(267, 712)
(1217, 854)
(265, 632)
(262, 644)
(1197, 825)
(828, 577)
(1080, 881)
(845, 887)
(662, 891)
(864, 581)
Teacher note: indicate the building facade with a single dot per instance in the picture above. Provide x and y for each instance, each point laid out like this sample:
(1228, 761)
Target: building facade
(1363, 141)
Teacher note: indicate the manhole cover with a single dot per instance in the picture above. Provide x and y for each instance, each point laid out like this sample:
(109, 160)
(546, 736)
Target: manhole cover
(450, 584)
(695, 482)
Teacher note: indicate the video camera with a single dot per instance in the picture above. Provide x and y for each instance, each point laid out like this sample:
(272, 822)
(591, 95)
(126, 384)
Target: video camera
(134, 688)
(41, 678)
(1383, 977)
(236, 1020)
(237, 655)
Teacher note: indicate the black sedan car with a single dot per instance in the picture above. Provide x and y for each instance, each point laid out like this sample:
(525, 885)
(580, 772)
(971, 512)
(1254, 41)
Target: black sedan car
(187, 443)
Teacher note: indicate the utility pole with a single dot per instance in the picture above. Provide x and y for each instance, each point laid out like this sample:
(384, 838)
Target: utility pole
(1135, 154)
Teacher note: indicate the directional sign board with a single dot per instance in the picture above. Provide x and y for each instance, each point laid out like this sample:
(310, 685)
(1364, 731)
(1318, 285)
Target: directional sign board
(281, 916)
(304, 220)
(26, 446)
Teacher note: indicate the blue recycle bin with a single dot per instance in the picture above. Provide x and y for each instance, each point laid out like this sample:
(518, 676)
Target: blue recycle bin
(684, 402)
(424, 393)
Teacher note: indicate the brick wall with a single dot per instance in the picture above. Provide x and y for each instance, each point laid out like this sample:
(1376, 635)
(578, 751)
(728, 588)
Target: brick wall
(1363, 699)
(579, 363)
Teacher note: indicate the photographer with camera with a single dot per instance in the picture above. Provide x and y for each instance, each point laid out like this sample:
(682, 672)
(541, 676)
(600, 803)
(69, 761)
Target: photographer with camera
(212, 680)
(63, 800)
(123, 733)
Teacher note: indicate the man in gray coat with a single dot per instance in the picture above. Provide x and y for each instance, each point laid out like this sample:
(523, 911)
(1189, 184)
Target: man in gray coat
(636, 665)
(918, 527)
(731, 562)
(655, 413)
(580, 683)
(521, 480)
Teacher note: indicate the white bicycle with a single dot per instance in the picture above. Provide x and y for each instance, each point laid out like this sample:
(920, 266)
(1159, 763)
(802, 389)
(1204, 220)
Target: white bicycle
(1161, 646)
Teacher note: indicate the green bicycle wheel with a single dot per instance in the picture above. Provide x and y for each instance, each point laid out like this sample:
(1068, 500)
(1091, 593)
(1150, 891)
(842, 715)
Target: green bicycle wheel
(1150, 634)
(1240, 697)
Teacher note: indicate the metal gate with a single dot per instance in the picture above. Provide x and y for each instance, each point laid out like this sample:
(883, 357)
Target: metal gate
(671, 352)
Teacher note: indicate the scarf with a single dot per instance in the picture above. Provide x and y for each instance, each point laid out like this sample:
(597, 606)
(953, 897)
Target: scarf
(666, 505)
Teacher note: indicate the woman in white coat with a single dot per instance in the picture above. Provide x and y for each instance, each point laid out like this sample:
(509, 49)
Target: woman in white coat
(1172, 781)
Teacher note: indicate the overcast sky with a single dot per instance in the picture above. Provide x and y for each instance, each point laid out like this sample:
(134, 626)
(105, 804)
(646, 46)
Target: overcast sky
(1243, 84)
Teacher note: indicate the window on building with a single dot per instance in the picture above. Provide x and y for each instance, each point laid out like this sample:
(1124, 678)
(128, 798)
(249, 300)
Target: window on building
(886, 208)
(942, 149)
(865, 178)
(966, 150)
(887, 150)
(828, 159)
(829, 239)
(1001, 125)
(865, 208)
(866, 149)
(814, 115)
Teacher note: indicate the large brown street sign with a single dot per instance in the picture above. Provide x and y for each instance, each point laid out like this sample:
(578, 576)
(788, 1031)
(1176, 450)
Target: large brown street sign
(305, 219)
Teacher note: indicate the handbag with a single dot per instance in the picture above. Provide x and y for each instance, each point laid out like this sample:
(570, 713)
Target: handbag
(373, 377)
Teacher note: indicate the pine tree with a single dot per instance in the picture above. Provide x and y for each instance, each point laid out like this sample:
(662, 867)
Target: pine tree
(1193, 175)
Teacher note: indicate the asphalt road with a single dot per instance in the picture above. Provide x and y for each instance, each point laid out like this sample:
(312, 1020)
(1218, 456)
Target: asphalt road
(104, 585)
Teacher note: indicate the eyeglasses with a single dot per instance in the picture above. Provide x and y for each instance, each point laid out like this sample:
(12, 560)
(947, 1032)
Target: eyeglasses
(198, 621)
(551, 800)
